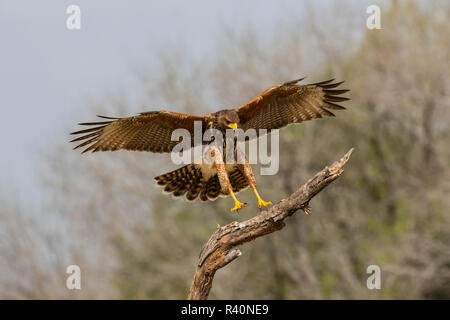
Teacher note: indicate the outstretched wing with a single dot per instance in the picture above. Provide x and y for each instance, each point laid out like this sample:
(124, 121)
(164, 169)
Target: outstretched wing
(288, 103)
(148, 131)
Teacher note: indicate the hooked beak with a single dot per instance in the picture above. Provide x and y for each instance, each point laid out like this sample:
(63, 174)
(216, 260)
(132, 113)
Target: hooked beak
(233, 125)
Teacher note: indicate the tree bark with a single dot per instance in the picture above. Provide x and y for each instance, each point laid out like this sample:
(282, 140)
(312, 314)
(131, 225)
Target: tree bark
(220, 249)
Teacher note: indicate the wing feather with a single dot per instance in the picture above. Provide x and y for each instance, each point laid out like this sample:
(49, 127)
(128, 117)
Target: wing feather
(287, 103)
(148, 131)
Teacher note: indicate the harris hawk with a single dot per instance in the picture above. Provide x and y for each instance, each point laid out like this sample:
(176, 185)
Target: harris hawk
(274, 108)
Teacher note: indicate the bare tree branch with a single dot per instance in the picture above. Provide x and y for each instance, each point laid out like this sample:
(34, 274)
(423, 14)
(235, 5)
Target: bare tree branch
(220, 249)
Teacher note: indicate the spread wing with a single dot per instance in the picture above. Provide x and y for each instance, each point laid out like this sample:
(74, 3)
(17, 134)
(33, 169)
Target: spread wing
(148, 131)
(287, 103)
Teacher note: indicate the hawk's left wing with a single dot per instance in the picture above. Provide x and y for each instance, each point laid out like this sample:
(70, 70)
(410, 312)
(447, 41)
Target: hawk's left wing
(288, 103)
(148, 131)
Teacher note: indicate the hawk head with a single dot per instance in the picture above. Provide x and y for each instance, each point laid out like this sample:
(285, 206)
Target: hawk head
(226, 119)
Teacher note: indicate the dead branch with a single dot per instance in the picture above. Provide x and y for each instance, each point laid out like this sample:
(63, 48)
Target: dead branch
(220, 249)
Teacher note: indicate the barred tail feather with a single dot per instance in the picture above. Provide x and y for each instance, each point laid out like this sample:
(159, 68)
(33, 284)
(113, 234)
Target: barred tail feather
(189, 181)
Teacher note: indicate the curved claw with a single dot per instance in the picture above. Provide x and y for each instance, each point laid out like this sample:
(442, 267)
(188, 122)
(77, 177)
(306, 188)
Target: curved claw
(238, 205)
(262, 203)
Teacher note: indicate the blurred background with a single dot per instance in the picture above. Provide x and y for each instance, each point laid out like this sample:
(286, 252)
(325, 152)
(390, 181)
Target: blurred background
(103, 212)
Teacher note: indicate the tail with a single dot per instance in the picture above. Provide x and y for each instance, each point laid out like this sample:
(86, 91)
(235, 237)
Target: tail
(189, 181)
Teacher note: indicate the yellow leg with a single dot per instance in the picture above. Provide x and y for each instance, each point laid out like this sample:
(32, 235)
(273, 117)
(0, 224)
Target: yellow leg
(261, 202)
(223, 178)
(237, 204)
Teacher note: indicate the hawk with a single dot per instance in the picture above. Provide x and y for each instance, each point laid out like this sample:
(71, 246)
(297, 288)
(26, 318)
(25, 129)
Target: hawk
(274, 108)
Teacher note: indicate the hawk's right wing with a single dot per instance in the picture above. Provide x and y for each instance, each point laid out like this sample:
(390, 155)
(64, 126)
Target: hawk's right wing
(287, 103)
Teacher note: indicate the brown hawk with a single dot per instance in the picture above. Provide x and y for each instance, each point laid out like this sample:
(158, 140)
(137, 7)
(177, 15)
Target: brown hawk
(274, 108)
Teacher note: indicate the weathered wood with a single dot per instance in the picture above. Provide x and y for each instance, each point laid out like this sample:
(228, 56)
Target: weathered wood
(220, 249)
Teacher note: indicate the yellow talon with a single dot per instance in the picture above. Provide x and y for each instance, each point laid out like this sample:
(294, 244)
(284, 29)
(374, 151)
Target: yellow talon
(237, 204)
(261, 202)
